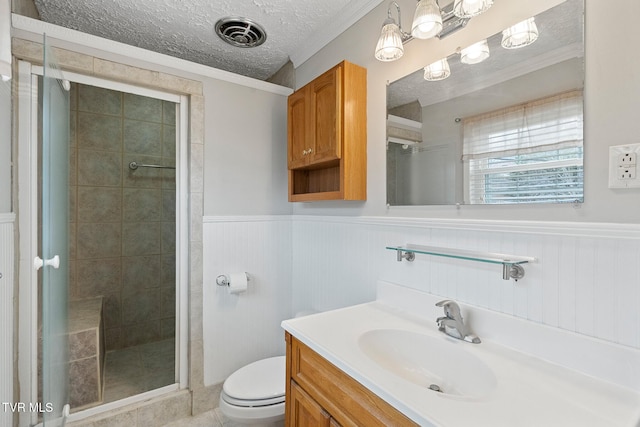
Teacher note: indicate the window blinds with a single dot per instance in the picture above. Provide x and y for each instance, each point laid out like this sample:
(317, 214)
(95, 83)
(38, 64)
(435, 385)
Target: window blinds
(529, 153)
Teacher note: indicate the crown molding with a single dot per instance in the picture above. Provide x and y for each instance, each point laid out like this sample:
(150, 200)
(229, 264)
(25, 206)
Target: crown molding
(33, 29)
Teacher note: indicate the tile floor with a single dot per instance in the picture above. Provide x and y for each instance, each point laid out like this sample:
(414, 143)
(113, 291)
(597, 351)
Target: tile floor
(207, 419)
(134, 370)
(213, 418)
(144, 367)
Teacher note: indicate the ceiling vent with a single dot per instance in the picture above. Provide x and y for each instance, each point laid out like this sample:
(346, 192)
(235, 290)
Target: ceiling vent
(240, 32)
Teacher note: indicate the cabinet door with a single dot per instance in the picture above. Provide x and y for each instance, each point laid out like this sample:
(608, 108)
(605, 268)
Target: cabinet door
(298, 128)
(349, 402)
(326, 116)
(305, 412)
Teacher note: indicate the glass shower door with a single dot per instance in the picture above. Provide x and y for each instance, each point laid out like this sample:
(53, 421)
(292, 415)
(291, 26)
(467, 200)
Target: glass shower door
(54, 243)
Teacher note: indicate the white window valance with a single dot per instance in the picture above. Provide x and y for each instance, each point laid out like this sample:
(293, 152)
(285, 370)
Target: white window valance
(542, 125)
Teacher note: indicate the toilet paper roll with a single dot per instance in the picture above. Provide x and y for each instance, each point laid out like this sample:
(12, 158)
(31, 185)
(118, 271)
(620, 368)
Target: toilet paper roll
(237, 282)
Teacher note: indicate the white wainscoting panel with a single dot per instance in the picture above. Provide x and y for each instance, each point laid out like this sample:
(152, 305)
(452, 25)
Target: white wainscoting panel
(6, 316)
(239, 329)
(586, 279)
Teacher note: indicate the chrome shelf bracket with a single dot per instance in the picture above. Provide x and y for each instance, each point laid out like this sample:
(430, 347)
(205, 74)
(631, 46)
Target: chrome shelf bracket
(409, 256)
(512, 271)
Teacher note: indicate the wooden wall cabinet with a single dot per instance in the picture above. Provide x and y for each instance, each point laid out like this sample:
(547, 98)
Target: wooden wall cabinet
(327, 136)
(320, 394)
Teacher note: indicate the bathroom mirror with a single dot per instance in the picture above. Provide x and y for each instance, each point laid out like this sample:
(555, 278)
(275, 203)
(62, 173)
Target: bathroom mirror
(447, 142)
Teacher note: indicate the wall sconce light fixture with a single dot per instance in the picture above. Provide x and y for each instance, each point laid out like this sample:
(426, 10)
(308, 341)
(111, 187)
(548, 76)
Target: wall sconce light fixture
(520, 35)
(431, 21)
(389, 47)
(428, 21)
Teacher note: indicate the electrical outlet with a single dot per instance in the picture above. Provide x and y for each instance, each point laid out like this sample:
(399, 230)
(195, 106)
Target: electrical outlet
(627, 158)
(623, 161)
(626, 172)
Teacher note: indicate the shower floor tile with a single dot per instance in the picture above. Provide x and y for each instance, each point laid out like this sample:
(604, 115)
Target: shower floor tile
(134, 370)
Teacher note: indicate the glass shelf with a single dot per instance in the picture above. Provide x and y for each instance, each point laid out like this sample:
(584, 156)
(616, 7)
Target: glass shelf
(511, 264)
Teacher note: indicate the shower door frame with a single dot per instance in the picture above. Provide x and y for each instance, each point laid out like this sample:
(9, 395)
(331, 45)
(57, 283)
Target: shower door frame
(28, 179)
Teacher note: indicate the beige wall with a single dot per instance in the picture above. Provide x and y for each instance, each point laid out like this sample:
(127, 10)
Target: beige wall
(612, 94)
(246, 153)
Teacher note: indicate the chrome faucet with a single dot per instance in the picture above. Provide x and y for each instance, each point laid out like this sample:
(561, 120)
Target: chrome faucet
(452, 323)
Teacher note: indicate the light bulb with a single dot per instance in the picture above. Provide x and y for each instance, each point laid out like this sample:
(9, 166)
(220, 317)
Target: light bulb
(471, 8)
(427, 21)
(520, 35)
(439, 70)
(475, 54)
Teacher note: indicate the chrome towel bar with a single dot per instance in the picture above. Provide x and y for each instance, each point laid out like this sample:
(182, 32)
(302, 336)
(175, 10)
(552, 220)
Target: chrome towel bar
(135, 165)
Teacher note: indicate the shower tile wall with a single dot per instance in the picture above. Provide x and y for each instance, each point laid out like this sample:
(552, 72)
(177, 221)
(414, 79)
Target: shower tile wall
(122, 231)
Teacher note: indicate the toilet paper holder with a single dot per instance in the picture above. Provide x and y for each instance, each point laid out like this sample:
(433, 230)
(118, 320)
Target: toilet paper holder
(223, 280)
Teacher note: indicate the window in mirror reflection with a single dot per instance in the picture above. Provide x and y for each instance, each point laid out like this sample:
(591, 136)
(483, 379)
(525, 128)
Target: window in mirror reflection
(528, 153)
(535, 156)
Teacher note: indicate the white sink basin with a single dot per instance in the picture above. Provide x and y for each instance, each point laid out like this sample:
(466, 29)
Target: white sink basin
(433, 363)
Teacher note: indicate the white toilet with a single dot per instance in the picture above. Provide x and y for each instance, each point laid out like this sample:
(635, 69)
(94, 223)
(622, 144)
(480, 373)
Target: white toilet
(254, 394)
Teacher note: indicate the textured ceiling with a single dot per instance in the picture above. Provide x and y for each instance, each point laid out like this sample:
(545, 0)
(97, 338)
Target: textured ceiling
(185, 28)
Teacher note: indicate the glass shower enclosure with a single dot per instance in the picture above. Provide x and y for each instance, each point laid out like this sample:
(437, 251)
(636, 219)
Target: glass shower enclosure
(53, 261)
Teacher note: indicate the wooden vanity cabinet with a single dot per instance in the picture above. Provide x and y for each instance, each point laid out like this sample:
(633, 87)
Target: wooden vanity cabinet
(327, 136)
(305, 411)
(320, 394)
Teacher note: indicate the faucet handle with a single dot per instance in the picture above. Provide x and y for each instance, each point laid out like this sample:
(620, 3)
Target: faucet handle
(452, 323)
(444, 303)
(451, 308)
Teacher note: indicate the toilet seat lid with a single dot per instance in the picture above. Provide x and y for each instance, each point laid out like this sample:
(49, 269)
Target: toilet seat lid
(264, 379)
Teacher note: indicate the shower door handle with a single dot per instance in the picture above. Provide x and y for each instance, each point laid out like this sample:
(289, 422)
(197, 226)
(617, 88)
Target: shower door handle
(38, 262)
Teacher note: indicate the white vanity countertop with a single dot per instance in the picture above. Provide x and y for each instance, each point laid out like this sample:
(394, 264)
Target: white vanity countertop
(529, 391)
